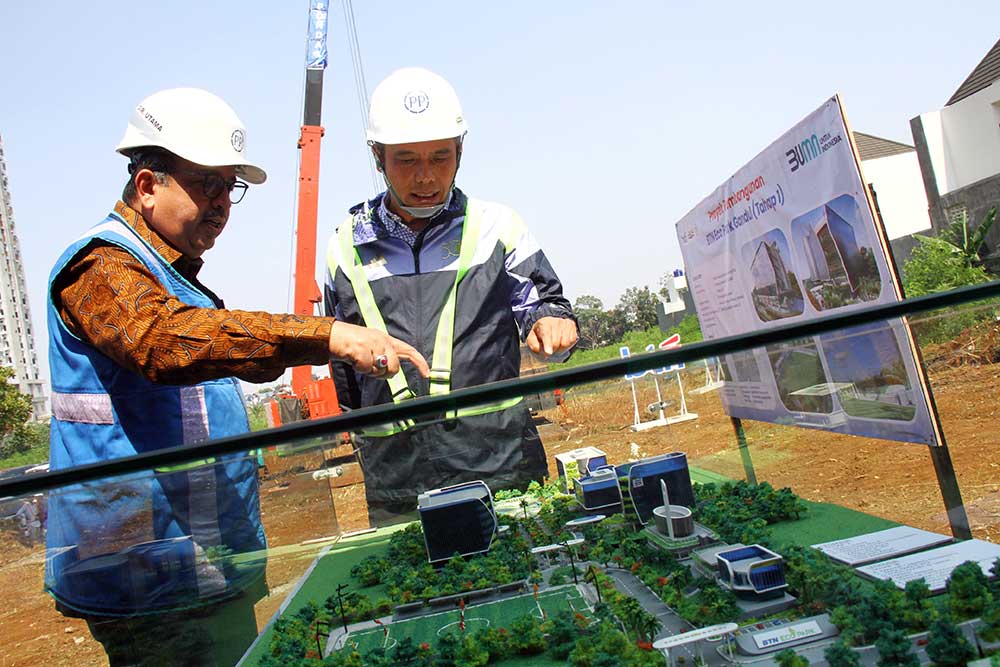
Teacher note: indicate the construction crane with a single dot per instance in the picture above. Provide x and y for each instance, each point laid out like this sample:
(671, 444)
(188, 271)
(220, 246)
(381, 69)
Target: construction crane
(317, 398)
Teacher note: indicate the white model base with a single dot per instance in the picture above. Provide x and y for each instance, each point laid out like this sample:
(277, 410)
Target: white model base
(664, 421)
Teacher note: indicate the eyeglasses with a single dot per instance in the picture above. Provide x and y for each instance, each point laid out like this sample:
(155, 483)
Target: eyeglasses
(212, 184)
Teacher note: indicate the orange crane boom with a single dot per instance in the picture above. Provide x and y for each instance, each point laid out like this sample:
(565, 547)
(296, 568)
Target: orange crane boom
(320, 396)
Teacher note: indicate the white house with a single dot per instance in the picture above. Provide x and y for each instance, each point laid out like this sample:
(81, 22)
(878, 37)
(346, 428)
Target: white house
(892, 171)
(959, 151)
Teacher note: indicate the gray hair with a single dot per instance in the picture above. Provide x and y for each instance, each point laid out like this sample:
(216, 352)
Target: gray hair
(158, 160)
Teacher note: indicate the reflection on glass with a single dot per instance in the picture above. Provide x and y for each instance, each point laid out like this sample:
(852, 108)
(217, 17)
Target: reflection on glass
(472, 559)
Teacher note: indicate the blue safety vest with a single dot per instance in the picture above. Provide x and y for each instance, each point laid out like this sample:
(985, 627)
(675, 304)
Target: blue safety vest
(158, 540)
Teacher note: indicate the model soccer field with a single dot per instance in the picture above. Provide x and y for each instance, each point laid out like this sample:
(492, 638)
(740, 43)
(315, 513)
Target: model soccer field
(496, 614)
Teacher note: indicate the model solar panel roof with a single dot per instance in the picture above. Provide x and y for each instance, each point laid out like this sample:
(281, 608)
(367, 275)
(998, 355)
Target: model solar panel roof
(871, 147)
(985, 73)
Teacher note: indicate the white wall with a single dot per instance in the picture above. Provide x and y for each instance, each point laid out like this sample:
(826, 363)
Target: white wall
(964, 140)
(900, 189)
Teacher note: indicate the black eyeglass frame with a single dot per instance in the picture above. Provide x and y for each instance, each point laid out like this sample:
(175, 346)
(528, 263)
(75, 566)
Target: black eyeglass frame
(212, 185)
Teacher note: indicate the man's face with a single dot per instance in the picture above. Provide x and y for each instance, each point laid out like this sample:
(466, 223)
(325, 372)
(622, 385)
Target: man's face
(181, 211)
(421, 173)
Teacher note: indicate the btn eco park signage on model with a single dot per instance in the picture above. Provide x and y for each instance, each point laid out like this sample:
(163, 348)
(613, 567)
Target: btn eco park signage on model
(787, 634)
(791, 237)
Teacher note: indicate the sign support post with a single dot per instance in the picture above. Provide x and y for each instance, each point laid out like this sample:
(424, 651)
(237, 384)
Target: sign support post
(958, 520)
(741, 440)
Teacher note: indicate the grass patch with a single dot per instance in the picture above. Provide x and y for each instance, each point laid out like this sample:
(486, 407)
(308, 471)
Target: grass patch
(877, 409)
(37, 454)
(824, 523)
(496, 614)
(702, 476)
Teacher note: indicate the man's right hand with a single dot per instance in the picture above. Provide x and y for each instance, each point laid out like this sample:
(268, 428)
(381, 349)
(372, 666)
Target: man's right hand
(361, 346)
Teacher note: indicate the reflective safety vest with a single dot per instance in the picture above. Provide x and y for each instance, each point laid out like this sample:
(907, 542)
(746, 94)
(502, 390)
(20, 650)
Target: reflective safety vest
(440, 366)
(158, 540)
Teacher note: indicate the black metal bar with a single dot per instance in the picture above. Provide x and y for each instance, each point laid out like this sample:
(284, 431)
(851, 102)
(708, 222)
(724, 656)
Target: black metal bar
(324, 429)
(952, 495)
(958, 520)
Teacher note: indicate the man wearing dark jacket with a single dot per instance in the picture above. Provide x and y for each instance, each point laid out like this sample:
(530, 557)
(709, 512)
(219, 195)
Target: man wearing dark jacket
(460, 279)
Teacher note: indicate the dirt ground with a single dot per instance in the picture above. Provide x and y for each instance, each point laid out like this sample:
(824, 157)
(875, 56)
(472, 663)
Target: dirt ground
(887, 479)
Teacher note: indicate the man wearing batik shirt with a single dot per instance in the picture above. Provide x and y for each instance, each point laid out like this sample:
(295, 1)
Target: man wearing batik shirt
(166, 568)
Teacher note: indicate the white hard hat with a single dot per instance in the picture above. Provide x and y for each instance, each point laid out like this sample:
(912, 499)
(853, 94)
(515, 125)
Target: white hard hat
(413, 105)
(193, 124)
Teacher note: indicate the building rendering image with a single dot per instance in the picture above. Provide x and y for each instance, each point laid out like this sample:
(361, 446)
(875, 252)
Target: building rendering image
(841, 270)
(776, 292)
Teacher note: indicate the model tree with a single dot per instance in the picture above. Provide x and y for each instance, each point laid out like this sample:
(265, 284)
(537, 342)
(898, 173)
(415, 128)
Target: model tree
(526, 636)
(376, 657)
(841, 655)
(895, 650)
(990, 629)
(342, 659)
(846, 620)
(947, 646)
(631, 614)
(447, 650)
(714, 605)
(815, 579)
(496, 641)
(920, 611)
(408, 653)
(471, 653)
(563, 631)
(647, 625)
(789, 658)
(584, 654)
(968, 590)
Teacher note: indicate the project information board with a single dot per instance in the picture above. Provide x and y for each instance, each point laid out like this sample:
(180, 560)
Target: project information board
(881, 545)
(788, 238)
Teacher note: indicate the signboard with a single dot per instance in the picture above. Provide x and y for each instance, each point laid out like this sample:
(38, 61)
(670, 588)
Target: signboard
(791, 237)
(881, 545)
(787, 633)
(934, 566)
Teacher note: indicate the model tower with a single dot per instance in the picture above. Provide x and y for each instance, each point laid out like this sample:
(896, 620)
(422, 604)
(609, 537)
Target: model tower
(17, 340)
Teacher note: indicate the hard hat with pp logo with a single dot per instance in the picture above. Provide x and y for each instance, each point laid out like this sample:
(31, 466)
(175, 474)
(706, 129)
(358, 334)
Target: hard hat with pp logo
(193, 124)
(413, 105)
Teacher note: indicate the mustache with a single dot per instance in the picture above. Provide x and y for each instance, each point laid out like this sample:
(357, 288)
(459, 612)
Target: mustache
(217, 216)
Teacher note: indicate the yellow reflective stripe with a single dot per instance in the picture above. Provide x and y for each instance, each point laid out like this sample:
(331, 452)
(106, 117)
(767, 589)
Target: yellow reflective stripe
(512, 231)
(184, 466)
(332, 260)
(444, 340)
(384, 430)
(484, 409)
(366, 301)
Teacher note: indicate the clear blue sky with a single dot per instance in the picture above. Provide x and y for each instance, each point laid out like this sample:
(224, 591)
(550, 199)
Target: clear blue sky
(601, 123)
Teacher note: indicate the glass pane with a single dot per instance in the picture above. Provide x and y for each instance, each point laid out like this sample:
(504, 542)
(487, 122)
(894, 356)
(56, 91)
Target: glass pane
(448, 530)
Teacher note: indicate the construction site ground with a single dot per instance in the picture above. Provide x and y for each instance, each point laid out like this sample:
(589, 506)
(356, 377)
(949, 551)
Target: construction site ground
(893, 480)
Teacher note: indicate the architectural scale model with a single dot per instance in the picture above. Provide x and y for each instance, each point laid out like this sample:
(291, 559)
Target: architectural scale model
(639, 566)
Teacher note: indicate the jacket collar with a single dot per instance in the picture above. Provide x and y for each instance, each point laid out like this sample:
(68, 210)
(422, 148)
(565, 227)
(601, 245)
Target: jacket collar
(369, 225)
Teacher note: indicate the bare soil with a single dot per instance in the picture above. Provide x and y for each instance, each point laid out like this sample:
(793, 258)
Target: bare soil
(888, 479)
